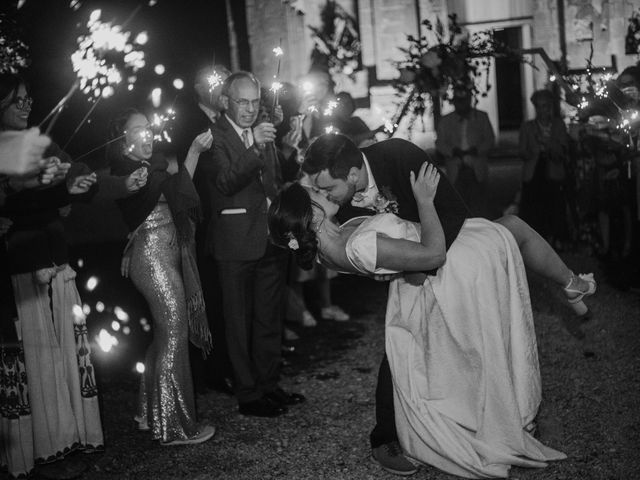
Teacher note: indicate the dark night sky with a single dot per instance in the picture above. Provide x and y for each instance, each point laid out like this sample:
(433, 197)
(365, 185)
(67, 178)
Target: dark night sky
(183, 36)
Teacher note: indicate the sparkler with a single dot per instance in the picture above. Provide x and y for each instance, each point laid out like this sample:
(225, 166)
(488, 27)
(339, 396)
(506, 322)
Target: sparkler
(103, 55)
(331, 105)
(159, 124)
(276, 86)
(214, 80)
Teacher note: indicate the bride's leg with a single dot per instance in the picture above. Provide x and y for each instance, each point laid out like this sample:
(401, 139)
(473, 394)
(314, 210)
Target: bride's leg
(540, 257)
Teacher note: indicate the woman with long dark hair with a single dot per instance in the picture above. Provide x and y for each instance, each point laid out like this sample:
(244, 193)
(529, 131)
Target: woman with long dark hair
(48, 395)
(159, 259)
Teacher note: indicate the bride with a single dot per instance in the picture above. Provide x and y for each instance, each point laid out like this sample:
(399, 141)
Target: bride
(462, 345)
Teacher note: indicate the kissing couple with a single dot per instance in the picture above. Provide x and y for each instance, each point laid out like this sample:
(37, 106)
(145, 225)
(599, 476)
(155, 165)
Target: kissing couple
(459, 385)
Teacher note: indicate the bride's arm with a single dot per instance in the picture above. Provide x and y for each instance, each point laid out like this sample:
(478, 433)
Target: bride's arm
(430, 253)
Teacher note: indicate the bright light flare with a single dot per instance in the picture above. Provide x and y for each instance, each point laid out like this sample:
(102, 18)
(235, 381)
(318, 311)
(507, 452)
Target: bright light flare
(276, 87)
(178, 84)
(115, 325)
(142, 38)
(121, 314)
(330, 108)
(139, 367)
(159, 69)
(214, 80)
(106, 341)
(277, 51)
(78, 314)
(307, 88)
(92, 283)
(156, 97)
(99, 307)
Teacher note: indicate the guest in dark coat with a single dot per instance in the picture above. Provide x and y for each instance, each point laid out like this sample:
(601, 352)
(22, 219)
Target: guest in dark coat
(243, 176)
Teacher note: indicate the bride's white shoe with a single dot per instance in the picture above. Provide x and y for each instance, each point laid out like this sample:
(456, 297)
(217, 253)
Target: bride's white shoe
(576, 292)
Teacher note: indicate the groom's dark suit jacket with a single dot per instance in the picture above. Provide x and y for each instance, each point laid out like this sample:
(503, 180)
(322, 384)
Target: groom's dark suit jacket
(391, 161)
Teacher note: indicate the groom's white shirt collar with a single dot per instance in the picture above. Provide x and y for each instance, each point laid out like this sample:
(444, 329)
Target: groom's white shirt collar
(366, 198)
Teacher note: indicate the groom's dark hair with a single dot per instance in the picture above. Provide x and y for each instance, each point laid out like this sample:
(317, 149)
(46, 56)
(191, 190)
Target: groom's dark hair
(333, 152)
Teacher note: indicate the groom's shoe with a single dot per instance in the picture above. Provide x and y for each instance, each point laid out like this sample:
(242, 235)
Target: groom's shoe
(285, 398)
(391, 458)
(262, 407)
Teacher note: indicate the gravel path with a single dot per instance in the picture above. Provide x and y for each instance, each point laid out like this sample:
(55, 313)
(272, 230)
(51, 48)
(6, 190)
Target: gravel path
(591, 381)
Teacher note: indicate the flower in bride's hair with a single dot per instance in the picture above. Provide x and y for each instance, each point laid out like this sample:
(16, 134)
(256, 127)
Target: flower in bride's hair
(293, 243)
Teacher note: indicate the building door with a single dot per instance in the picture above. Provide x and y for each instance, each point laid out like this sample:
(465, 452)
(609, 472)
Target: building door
(509, 88)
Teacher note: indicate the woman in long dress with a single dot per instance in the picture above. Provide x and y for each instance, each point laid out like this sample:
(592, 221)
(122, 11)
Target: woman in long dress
(48, 393)
(462, 345)
(159, 258)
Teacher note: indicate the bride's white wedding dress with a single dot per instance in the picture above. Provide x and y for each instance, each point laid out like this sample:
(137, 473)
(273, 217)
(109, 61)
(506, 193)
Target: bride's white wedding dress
(462, 351)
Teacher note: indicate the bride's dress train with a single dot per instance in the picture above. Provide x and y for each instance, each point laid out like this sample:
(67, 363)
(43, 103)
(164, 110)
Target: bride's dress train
(462, 351)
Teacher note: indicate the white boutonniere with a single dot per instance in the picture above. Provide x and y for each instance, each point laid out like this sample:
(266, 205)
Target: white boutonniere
(385, 202)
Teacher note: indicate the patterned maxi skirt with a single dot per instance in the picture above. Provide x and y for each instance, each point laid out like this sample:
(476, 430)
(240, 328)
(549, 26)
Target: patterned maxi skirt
(48, 394)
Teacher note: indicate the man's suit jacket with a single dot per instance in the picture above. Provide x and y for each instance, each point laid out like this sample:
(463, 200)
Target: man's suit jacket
(391, 161)
(238, 228)
(479, 135)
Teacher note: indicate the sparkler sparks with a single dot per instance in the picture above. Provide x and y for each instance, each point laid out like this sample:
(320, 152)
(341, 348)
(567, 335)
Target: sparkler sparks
(96, 74)
(275, 87)
(92, 283)
(331, 105)
(214, 80)
(106, 341)
(159, 125)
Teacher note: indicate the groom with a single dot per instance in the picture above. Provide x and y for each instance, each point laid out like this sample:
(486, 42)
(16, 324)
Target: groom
(376, 180)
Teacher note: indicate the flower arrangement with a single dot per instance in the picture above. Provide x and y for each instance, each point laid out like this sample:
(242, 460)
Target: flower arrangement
(337, 45)
(440, 60)
(386, 202)
(13, 51)
(632, 38)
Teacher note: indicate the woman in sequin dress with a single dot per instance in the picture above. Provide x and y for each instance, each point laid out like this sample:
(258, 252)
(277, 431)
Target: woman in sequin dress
(159, 259)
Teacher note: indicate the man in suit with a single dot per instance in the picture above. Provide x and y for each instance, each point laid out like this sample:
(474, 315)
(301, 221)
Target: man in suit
(200, 113)
(369, 181)
(243, 176)
(464, 138)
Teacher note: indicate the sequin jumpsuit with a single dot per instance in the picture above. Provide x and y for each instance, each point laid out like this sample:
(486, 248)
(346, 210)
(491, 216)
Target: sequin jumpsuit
(166, 392)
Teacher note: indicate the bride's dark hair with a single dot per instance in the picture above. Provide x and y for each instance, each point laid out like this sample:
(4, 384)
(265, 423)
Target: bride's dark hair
(290, 218)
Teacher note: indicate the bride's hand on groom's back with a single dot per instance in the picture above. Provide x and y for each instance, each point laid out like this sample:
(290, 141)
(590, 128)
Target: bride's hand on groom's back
(425, 183)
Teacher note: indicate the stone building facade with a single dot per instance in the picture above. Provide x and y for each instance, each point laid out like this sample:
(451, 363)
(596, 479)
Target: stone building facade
(565, 29)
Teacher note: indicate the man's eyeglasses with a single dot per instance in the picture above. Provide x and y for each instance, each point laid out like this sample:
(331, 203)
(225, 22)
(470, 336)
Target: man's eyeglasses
(244, 103)
(23, 103)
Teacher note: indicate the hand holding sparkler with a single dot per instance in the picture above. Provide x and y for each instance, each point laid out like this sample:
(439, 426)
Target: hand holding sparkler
(202, 142)
(291, 142)
(81, 183)
(136, 180)
(53, 172)
(277, 116)
(125, 264)
(264, 133)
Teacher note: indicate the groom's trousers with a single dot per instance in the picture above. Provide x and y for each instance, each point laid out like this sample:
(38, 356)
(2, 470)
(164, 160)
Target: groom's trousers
(385, 429)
